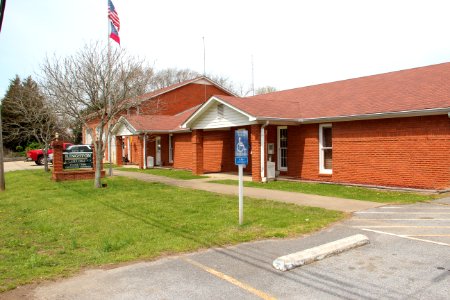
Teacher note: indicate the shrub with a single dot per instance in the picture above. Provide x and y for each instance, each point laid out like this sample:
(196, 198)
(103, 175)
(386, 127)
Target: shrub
(32, 146)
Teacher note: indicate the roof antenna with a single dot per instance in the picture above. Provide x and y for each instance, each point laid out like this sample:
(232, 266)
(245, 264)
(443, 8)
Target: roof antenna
(204, 57)
(204, 65)
(253, 78)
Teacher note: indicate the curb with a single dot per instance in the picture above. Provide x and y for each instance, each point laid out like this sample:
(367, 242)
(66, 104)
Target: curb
(308, 256)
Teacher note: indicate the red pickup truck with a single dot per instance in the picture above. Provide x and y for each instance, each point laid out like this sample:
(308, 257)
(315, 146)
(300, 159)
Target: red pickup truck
(38, 155)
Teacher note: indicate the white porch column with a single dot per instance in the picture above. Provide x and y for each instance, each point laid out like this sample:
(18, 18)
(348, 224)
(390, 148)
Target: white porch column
(263, 152)
(145, 151)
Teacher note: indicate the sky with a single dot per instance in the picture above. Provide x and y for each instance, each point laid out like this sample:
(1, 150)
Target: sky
(291, 43)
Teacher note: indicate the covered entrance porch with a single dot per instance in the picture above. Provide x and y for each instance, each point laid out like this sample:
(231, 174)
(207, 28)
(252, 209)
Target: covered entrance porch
(213, 127)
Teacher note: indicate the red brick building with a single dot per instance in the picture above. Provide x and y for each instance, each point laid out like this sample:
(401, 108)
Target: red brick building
(156, 117)
(390, 129)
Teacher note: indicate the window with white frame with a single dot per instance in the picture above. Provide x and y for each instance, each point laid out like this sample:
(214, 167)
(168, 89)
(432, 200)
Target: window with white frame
(282, 148)
(325, 149)
(170, 149)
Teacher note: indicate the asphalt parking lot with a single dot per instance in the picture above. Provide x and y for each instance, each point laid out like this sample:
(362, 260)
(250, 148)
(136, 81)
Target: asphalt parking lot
(408, 258)
(21, 165)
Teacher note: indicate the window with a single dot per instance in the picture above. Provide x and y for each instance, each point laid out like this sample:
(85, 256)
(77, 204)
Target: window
(325, 149)
(282, 148)
(170, 149)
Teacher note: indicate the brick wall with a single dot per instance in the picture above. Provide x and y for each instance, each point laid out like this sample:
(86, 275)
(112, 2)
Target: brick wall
(182, 151)
(197, 151)
(218, 155)
(408, 152)
(255, 157)
(180, 99)
(119, 151)
(218, 151)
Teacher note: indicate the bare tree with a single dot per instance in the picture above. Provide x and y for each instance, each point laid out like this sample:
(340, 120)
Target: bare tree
(96, 84)
(169, 76)
(265, 90)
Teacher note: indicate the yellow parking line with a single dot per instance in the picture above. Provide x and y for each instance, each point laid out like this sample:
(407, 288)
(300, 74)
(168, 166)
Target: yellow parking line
(232, 280)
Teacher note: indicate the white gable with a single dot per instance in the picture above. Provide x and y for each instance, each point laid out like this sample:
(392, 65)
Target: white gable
(202, 81)
(223, 118)
(122, 130)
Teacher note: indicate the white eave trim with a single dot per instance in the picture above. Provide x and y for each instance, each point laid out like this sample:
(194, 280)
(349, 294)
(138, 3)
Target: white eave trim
(374, 116)
(384, 115)
(207, 104)
(123, 121)
(163, 131)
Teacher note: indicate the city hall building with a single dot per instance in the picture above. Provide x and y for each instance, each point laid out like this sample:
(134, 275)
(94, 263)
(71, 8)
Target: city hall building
(390, 129)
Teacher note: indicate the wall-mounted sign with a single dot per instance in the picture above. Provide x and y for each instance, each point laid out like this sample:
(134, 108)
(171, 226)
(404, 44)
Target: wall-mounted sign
(77, 160)
(241, 147)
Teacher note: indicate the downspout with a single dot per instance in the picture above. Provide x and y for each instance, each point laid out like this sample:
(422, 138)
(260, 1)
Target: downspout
(145, 151)
(263, 152)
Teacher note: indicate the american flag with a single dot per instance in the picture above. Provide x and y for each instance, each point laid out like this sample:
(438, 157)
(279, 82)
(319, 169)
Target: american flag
(113, 16)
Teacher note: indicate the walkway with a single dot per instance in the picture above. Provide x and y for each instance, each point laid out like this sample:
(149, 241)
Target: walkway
(345, 205)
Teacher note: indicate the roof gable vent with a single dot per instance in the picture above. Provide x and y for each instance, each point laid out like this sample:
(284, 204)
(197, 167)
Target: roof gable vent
(220, 111)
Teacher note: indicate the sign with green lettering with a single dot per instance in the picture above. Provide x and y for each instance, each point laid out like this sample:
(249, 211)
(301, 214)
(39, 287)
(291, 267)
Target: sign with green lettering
(77, 160)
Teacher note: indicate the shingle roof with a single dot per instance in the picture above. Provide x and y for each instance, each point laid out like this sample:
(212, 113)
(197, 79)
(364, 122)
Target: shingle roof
(406, 90)
(159, 123)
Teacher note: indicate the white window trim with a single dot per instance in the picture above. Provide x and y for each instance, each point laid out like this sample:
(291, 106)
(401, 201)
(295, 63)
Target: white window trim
(322, 170)
(170, 149)
(158, 141)
(278, 150)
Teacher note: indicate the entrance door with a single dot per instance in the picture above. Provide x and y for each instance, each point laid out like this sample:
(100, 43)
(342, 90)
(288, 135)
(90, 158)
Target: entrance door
(158, 151)
(282, 148)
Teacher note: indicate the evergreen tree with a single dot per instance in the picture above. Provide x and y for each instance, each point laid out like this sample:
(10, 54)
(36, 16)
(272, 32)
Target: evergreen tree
(21, 97)
(10, 116)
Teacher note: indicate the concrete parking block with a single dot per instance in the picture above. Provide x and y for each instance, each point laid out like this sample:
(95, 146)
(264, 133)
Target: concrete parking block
(308, 256)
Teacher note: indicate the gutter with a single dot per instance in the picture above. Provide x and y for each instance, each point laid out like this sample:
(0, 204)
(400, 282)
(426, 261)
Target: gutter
(263, 155)
(162, 131)
(384, 115)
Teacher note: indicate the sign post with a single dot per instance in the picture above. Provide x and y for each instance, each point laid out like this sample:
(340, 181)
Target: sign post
(241, 160)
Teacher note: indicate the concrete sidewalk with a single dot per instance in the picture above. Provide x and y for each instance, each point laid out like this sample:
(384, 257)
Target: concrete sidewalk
(345, 205)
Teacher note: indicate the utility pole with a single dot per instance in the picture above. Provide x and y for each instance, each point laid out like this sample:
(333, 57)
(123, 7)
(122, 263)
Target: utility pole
(2, 170)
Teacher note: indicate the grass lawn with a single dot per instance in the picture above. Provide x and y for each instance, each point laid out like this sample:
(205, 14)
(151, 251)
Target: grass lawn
(50, 229)
(177, 174)
(335, 190)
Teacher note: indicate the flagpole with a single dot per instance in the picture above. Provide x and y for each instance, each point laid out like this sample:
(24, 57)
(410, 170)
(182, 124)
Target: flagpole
(109, 97)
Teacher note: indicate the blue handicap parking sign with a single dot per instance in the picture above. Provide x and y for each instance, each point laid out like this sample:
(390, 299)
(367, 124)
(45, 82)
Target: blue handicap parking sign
(241, 147)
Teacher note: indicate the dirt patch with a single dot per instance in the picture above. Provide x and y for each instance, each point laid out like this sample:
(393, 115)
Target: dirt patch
(21, 292)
